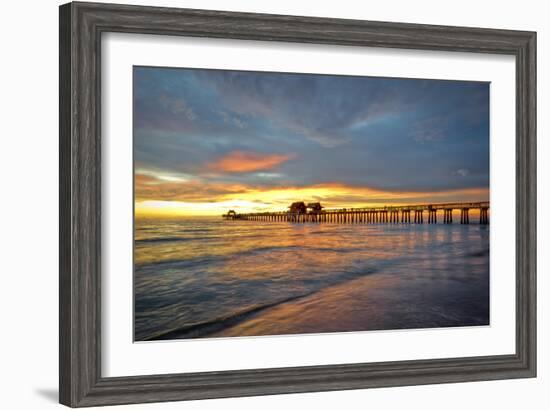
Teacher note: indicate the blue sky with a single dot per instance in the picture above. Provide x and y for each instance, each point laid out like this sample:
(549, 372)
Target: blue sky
(213, 136)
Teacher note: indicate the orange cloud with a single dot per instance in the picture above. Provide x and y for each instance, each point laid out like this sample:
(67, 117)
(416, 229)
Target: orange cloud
(244, 161)
(151, 188)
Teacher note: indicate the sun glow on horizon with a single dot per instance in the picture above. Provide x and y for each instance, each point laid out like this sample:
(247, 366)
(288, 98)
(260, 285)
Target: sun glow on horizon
(278, 199)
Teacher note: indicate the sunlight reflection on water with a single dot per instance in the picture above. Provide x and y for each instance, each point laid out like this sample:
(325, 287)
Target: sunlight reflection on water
(209, 277)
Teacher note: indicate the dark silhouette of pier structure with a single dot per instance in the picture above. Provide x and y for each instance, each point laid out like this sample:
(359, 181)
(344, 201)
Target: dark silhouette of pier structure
(299, 212)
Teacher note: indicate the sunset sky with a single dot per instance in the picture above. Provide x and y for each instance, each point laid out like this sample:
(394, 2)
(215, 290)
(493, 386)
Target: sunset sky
(206, 141)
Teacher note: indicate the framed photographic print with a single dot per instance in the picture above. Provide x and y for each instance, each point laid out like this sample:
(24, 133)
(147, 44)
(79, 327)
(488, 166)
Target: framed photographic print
(260, 204)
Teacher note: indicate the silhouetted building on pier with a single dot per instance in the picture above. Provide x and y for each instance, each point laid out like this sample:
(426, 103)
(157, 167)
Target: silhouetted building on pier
(298, 208)
(315, 207)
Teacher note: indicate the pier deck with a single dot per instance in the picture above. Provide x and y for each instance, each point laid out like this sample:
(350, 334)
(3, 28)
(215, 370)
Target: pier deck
(386, 214)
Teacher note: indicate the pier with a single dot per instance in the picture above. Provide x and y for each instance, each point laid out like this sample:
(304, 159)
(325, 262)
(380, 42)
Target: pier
(299, 212)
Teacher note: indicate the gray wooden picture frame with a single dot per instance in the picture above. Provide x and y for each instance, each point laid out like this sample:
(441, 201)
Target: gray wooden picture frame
(81, 27)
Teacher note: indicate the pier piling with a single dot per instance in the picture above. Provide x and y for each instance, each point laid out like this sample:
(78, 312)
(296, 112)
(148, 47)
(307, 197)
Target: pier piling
(315, 213)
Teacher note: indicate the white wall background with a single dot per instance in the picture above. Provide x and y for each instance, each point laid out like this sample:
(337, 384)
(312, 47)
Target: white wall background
(28, 205)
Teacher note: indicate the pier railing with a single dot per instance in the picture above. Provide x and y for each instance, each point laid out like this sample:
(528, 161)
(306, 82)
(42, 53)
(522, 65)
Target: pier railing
(385, 214)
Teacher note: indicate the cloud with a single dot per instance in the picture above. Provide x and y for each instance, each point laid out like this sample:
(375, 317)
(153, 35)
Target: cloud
(462, 172)
(158, 189)
(235, 127)
(243, 161)
(177, 106)
(430, 129)
(232, 120)
(214, 198)
(319, 108)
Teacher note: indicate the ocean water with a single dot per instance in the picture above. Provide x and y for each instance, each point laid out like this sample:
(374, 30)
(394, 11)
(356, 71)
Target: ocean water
(207, 277)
